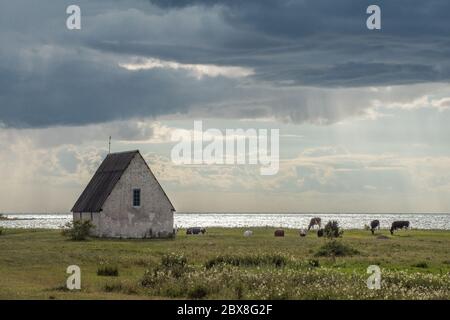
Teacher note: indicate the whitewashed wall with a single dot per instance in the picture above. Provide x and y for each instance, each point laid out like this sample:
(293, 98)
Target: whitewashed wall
(154, 218)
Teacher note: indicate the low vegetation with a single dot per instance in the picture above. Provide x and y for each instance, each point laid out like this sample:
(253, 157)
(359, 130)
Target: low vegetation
(223, 264)
(108, 270)
(251, 260)
(332, 230)
(422, 264)
(78, 230)
(335, 248)
(232, 282)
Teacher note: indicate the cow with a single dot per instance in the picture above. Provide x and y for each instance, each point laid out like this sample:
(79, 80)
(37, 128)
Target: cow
(399, 225)
(248, 233)
(315, 221)
(320, 233)
(279, 233)
(375, 224)
(302, 232)
(195, 230)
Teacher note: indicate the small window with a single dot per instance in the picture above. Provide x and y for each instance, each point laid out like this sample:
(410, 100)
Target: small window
(136, 197)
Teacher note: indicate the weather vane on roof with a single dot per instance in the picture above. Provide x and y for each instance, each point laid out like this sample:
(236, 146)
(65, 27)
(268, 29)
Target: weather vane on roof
(109, 145)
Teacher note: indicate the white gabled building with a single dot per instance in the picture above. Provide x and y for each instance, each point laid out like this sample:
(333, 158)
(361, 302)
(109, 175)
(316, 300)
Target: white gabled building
(124, 199)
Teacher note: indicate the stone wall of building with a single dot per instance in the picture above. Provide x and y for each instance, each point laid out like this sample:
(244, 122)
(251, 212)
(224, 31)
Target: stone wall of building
(154, 217)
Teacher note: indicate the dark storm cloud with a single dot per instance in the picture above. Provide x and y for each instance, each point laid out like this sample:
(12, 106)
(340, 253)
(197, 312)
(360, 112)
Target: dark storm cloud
(296, 18)
(52, 76)
(313, 42)
(72, 88)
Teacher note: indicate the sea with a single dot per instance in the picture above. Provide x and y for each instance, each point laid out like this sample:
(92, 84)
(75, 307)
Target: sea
(426, 221)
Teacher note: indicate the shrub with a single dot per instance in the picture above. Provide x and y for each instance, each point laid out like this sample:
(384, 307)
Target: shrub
(332, 230)
(172, 265)
(422, 264)
(108, 271)
(173, 260)
(150, 278)
(78, 230)
(336, 249)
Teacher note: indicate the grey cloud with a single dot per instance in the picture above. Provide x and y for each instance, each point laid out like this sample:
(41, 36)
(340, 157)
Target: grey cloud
(362, 74)
(348, 176)
(326, 43)
(52, 76)
(72, 89)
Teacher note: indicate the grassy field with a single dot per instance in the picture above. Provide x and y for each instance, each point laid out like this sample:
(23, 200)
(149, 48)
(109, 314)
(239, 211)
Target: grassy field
(223, 264)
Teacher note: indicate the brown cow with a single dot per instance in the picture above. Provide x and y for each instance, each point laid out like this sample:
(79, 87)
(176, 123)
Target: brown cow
(315, 221)
(279, 233)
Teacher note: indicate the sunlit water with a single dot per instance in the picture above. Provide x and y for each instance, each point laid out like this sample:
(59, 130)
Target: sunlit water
(286, 220)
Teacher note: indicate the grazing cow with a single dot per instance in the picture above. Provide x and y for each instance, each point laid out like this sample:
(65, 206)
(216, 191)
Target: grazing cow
(399, 225)
(315, 221)
(195, 230)
(303, 233)
(320, 233)
(279, 233)
(248, 233)
(375, 224)
(192, 230)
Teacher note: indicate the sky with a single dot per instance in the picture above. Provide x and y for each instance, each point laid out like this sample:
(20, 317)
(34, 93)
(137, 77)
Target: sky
(363, 115)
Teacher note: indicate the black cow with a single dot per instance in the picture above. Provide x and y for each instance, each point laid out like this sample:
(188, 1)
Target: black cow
(195, 230)
(399, 225)
(375, 224)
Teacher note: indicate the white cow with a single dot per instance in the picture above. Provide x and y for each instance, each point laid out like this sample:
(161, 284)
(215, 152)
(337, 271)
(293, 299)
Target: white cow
(248, 233)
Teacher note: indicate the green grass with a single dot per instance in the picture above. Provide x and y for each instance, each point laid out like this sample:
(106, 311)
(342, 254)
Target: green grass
(225, 264)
